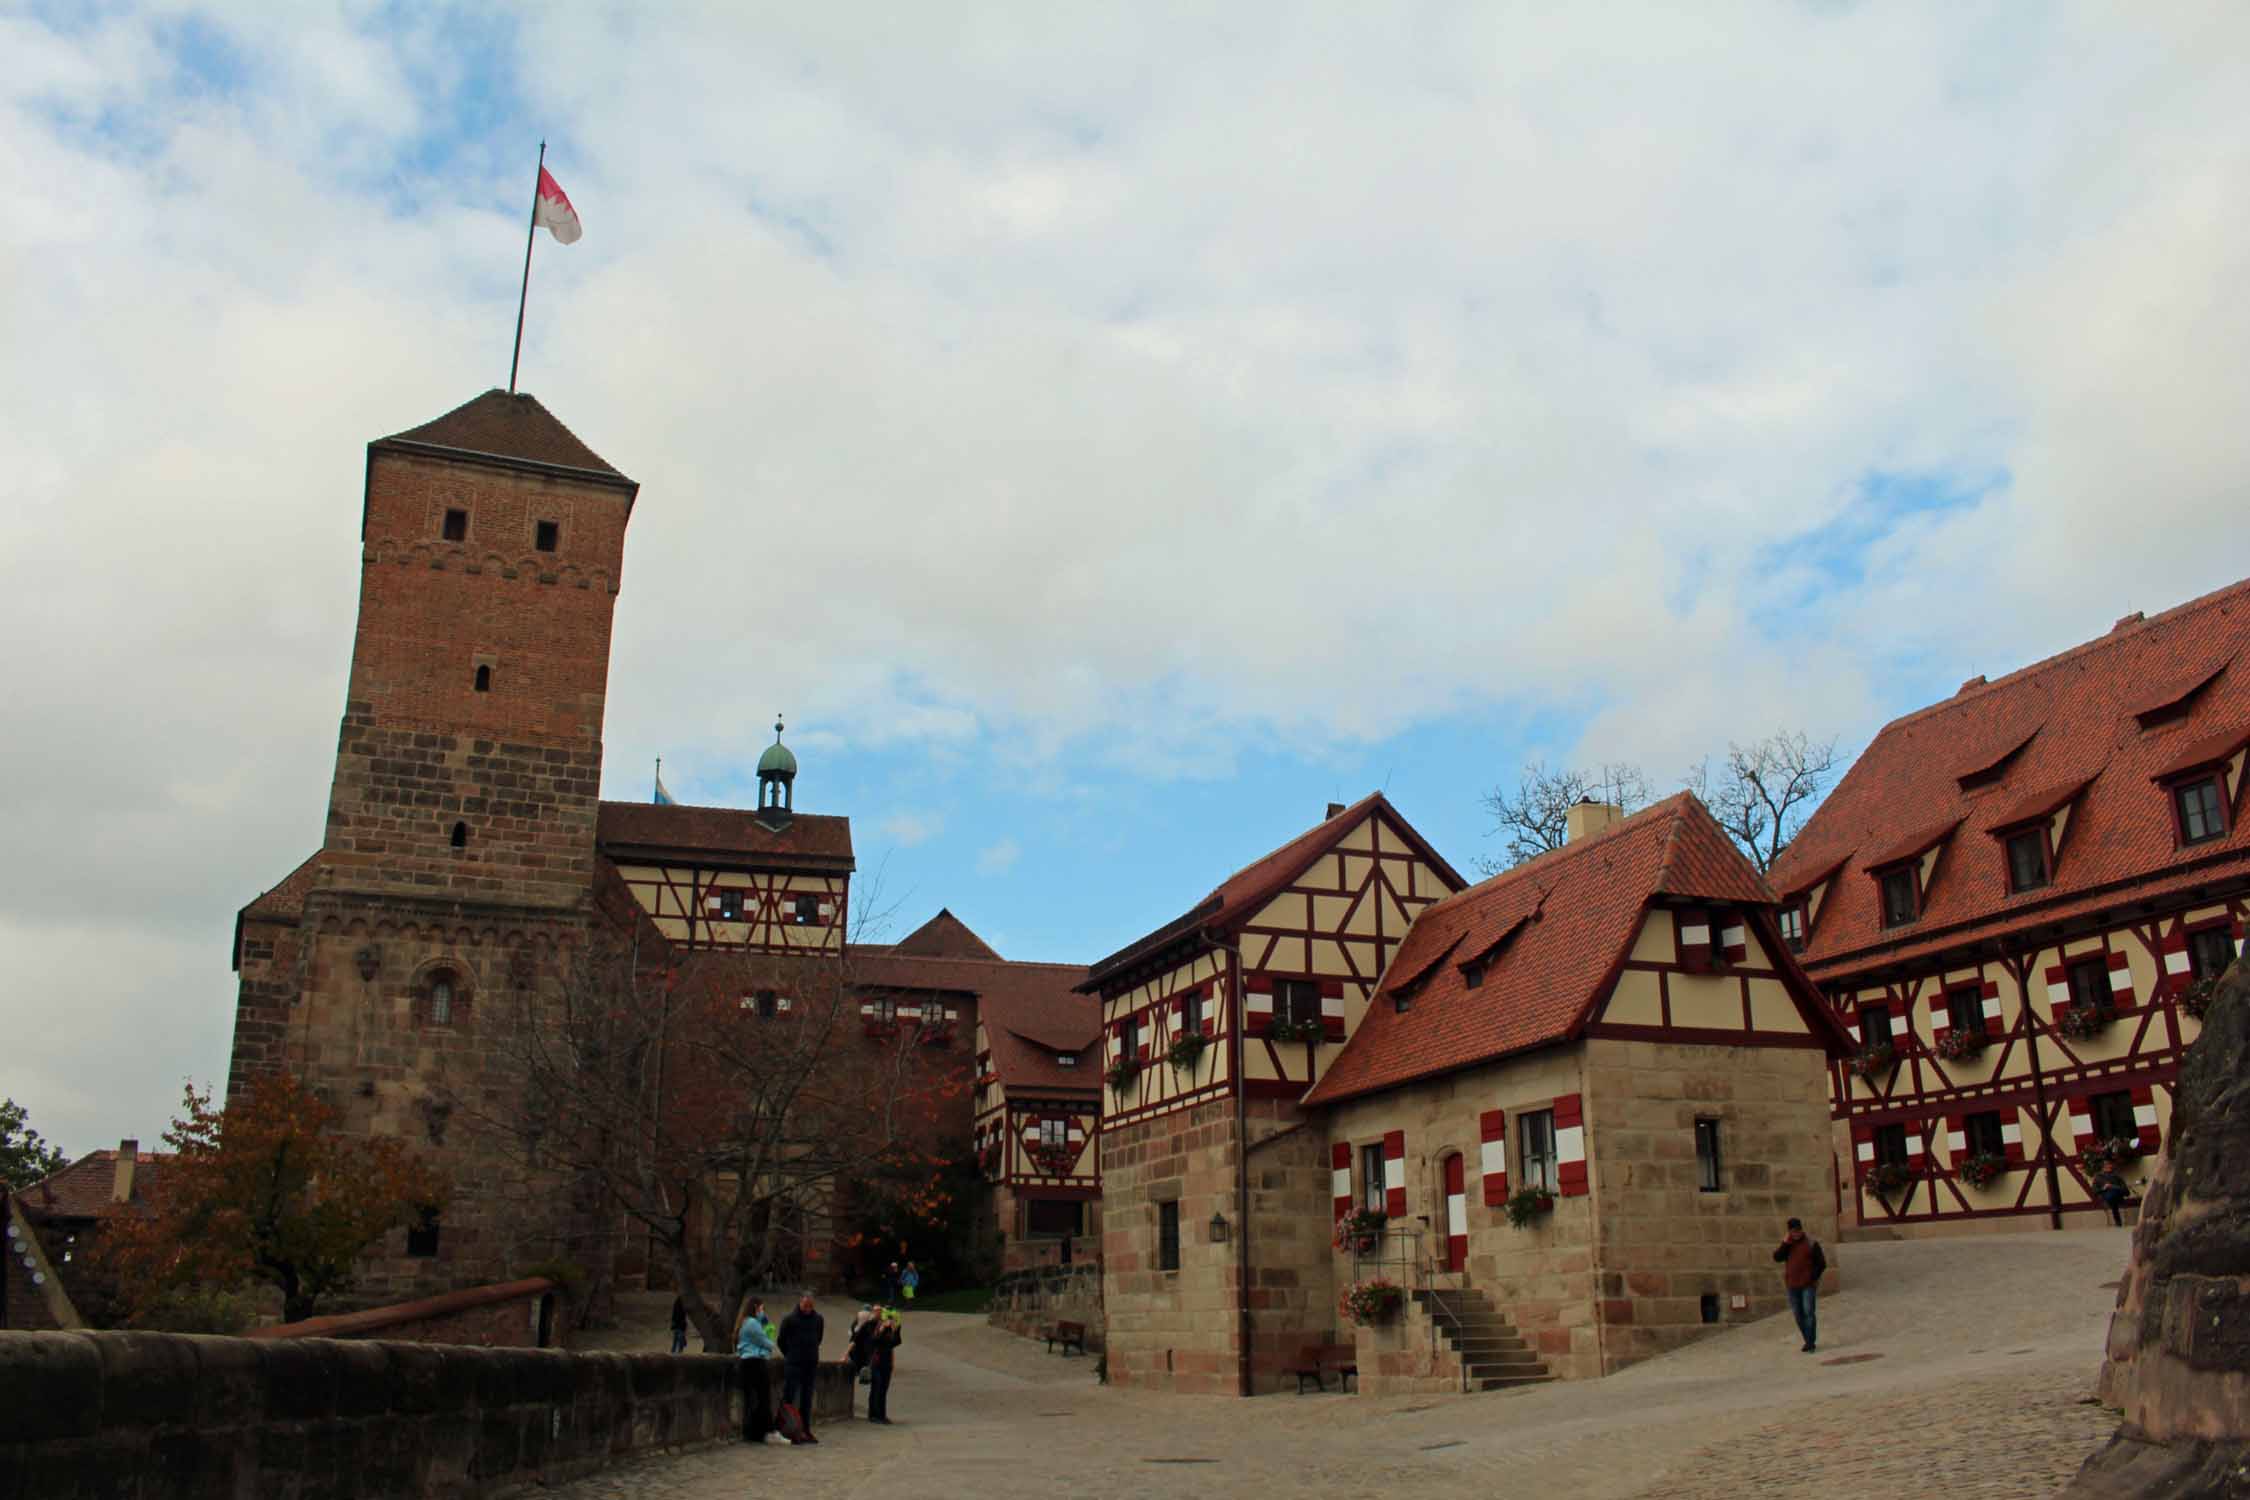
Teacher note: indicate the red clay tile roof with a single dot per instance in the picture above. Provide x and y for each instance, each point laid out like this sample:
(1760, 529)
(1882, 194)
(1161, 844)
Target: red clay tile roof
(85, 1188)
(808, 839)
(1572, 911)
(943, 936)
(2207, 751)
(1240, 895)
(498, 425)
(2173, 695)
(287, 899)
(1914, 845)
(2041, 804)
(2121, 834)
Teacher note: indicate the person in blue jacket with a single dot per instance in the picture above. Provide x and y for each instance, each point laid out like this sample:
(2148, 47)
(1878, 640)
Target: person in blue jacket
(754, 1346)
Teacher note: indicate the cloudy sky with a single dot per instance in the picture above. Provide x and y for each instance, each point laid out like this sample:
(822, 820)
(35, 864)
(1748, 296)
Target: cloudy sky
(1107, 436)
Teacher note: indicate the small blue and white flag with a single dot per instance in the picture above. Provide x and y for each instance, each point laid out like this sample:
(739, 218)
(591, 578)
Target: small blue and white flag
(663, 798)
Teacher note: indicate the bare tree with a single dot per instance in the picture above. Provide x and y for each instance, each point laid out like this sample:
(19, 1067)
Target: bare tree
(722, 1104)
(1534, 815)
(1763, 791)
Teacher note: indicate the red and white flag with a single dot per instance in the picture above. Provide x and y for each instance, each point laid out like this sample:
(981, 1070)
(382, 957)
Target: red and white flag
(554, 210)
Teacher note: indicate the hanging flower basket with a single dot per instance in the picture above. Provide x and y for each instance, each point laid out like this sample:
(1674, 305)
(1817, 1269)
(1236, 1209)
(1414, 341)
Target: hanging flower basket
(2083, 1022)
(1891, 1177)
(2197, 997)
(1526, 1204)
(1874, 1061)
(1186, 1051)
(1983, 1169)
(1285, 1030)
(1121, 1074)
(1373, 1301)
(1958, 1044)
(1054, 1161)
(1361, 1231)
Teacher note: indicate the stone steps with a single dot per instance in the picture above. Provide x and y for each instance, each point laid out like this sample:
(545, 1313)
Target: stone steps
(1503, 1382)
(1493, 1354)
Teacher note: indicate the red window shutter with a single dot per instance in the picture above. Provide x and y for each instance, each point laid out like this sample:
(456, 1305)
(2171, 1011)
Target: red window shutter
(1332, 989)
(1570, 1146)
(1730, 931)
(2173, 968)
(1492, 1157)
(1994, 1025)
(1956, 1140)
(2120, 981)
(1693, 924)
(1394, 1173)
(1340, 1176)
(1941, 1015)
(1917, 1146)
(2058, 988)
(1456, 1214)
(1258, 984)
(1148, 1025)
(2144, 1116)
(1863, 1151)
(2011, 1136)
(1257, 1005)
(1332, 1009)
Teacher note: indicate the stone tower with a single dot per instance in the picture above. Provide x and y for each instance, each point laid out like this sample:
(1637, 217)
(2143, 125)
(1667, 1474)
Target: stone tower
(456, 877)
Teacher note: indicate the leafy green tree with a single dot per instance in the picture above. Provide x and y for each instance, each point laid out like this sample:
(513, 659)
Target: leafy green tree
(24, 1156)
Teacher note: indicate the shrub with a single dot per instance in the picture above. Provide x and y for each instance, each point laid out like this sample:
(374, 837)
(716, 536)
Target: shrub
(201, 1310)
(1526, 1204)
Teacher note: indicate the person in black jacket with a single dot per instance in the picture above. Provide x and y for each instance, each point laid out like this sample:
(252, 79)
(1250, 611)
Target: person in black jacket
(679, 1324)
(880, 1347)
(799, 1338)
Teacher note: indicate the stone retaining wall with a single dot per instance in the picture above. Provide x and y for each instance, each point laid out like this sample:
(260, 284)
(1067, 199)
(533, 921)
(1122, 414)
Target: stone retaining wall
(1024, 1302)
(156, 1416)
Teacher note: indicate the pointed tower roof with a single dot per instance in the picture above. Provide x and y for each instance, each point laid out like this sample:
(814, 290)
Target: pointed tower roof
(944, 936)
(512, 429)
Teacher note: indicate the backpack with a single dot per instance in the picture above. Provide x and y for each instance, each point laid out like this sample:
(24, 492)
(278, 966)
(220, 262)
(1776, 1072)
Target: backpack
(790, 1425)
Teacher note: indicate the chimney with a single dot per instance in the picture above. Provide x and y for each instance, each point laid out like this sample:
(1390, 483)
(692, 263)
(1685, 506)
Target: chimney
(1587, 817)
(1333, 809)
(2134, 618)
(1974, 682)
(128, 1153)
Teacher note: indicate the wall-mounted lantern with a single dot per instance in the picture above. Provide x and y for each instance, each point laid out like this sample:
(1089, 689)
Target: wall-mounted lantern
(369, 959)
(1218, 1229)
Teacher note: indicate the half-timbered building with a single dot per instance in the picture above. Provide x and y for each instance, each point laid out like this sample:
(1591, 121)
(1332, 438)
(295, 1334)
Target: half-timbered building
(2011, 900)
(1213, 1027)
(1584, 1098)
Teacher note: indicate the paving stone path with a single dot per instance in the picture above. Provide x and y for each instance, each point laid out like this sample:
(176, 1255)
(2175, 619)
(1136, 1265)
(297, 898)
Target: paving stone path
(1957, 1367)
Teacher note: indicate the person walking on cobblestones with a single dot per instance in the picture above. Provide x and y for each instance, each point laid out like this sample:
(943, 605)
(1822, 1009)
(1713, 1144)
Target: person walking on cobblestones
(1803, 1263)
(754, 1347)
(800, 1337)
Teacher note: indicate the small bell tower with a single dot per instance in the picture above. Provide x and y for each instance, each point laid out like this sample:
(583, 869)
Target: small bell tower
(777, 782)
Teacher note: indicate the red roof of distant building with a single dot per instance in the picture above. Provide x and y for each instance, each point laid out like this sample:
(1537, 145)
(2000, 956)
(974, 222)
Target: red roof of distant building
(943, 936)
(807, 839)
(1549, 932)
(87, 1188)
(2085, 703)
(1242, 894)
(500, 425)
(1031, 1012)
(287, 899)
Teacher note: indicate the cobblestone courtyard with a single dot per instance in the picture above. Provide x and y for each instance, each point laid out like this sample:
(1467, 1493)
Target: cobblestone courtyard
(1956, 1367)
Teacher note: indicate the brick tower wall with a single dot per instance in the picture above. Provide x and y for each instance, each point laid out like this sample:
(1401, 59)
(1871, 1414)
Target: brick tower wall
(421, 749)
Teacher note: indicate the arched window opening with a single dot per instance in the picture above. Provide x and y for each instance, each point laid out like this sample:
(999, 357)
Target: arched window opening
(460, 835)
(484, 679)
(441, 999)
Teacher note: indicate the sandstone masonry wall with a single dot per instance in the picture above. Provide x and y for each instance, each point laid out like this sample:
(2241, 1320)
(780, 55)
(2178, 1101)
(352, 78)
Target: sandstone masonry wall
(1170, 1330)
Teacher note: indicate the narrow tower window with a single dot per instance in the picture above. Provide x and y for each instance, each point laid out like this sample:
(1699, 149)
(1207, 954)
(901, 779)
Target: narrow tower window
(460, 835)
(456, 525)
(484, 679)
(549, 535)
(441, 1000)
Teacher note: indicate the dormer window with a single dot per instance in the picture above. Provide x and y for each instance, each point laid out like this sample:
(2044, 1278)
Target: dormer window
(1472, 975)
(1793, 927)
(2027, 860)
(1066, 1059)
(2201, 809)
(1901, 899)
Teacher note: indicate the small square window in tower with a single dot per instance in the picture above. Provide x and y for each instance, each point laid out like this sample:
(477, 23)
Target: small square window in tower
(808, 909)
(548, 536)
(484, 678)
(2027, 860)
(422, 1235)
(460, 835)
(456, 525)
(730, 903)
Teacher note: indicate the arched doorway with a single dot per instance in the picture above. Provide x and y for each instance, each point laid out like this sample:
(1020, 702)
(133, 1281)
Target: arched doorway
(1456, 1214)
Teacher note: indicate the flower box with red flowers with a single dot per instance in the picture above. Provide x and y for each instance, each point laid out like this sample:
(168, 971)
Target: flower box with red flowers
(2103, 1155)
(1361, 1230)
(1376, 1300)
(1526, 1204)
(1873, 1061)
(2084, 1022)
(2196, 997)
(1959, 1044)
(1121, 1073)
(1891, 1177)
(1983, 1169)
(1054, 1161)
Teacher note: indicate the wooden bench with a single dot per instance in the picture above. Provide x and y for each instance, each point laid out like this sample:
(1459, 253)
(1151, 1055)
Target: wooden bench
(1314, 1362)
(1069, 1335)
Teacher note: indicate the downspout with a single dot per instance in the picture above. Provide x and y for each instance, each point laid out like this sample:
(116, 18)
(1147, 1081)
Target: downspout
(1238, 1012)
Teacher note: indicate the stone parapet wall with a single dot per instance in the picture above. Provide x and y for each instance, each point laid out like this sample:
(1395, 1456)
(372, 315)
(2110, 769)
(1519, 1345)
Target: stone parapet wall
(180, 1417)
(1028, 1301)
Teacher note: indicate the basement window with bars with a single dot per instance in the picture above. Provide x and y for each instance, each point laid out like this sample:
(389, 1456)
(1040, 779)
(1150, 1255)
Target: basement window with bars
(1707, 1171)
(1168, 1236)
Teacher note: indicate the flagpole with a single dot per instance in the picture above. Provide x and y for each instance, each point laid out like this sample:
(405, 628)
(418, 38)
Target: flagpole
(530, 232)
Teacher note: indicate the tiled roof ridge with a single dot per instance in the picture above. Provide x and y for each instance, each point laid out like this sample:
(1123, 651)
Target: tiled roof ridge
(1347, 816)
(2114, 636)
(1634, 822)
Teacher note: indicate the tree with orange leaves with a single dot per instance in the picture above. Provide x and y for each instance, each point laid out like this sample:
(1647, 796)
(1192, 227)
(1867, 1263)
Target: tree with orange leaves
(264, 1190)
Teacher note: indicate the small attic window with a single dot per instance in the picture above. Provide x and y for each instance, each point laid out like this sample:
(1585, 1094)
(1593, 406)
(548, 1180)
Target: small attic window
(1066, 1059)
(1472, 974)
(548, 536)
(1901, 897)
(456, 525)
(460, 835)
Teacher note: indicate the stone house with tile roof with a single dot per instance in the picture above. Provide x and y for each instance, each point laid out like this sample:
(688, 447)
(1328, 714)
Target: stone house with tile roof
(2008, 900)
(46, 1276)
(1613, 1039)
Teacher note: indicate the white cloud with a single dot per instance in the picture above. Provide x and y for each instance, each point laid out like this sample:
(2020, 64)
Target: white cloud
(999, 858)
(907, 829)
(1144, 388)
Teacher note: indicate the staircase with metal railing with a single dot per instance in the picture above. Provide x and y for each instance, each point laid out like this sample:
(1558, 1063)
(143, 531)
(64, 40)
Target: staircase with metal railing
(1493, 1355)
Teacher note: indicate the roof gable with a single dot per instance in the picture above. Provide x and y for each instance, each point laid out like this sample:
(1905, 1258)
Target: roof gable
(2092, 753)
(1546, 936)
(944, 936)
